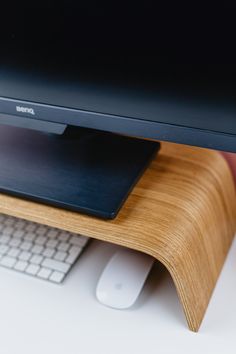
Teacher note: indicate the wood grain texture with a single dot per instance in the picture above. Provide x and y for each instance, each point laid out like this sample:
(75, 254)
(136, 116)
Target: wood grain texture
(182, 212)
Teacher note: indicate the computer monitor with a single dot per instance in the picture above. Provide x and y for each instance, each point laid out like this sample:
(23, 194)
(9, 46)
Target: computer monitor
(93, 71)
(156, 70)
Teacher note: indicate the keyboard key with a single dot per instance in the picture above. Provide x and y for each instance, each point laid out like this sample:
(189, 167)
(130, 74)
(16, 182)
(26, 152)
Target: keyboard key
(4, 239)
(13, 252)
(26, 246)
(36, 259)
(41, 230)
(52, 243)
(14, 242)
(21, 265)
(9, 221)
(41, 240)
(55, 265)
(75, 250)
(32, 269)
(52, 233)
(24, 256)
(60, 256)
(73, 255)
(31, 227)
(18, 233)
(8, 230)
(8, 262)
(64, 236)
(48, 252)
(3, 249)
(20, 224)
(37, 249)
(63, 246)
(44, 273)
(78, 240)
(29, 236)
(57, 277)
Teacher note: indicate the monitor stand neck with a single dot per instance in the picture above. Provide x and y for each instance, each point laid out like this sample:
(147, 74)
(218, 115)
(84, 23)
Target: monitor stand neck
(33, 124)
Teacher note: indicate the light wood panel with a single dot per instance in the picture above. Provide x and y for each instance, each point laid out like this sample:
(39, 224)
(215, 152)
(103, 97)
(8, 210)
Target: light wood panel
(182, 212)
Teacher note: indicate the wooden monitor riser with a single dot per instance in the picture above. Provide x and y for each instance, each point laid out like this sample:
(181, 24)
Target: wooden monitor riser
(182, 212)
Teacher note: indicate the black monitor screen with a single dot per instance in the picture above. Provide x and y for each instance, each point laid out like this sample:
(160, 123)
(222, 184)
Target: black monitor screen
(183, 52)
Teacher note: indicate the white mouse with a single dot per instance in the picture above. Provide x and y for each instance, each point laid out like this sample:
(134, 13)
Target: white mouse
(123, 278)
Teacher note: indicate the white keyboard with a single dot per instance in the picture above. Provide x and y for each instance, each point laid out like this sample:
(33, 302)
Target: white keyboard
(38, 250)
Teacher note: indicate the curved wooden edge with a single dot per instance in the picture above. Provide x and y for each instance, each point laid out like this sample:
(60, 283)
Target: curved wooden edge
(182, 212)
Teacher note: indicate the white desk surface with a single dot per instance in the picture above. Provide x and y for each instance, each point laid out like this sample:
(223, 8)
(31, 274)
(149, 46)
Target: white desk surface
(37, 317)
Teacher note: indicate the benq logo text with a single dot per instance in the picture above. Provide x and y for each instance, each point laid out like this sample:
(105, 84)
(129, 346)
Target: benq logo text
(25, 110)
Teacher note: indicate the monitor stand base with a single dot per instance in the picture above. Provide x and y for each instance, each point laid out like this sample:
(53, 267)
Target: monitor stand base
(84, 170)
